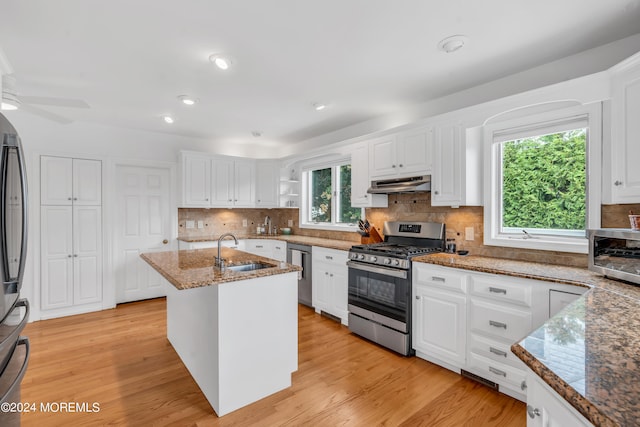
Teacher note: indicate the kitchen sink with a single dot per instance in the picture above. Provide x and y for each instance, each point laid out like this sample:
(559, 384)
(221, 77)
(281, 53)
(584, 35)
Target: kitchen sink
(248, 267)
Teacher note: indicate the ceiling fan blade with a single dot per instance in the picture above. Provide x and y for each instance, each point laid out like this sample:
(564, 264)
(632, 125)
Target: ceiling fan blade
(57, 102)
(45, 114)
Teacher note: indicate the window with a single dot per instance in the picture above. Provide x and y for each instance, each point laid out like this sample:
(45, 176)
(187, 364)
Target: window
(327, 199)
(538, 195)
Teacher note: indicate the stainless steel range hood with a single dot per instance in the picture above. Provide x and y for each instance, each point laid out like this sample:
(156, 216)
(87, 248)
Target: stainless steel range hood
(412, 184)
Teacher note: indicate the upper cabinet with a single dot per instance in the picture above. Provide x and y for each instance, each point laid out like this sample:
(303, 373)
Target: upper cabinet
(457, 172)
(222, 181)
(65, 181)
(267, 178)
(621, 171)
(360, 181)
(401, 155)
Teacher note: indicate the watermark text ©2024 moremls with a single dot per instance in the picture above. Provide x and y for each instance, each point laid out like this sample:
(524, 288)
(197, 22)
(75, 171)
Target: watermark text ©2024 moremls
(24, 407)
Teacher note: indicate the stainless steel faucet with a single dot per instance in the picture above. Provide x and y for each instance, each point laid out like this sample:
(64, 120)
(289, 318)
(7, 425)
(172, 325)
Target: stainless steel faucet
(267, 224)
(219, 262)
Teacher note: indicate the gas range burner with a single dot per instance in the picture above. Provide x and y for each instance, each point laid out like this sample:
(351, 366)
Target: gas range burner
(394, 249)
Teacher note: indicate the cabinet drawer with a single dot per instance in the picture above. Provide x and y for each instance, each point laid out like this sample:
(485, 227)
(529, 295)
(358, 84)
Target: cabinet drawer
(495, 350)
(495, 371)
(259, 245)
(509, 323)
(514, 290)
(331, 256)
(444, 278)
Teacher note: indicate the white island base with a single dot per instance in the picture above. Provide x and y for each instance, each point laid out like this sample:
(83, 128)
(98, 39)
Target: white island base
(239, 340)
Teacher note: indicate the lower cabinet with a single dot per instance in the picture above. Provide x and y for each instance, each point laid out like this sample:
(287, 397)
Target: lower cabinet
(439, 316)
(71, 258)
(547, 408)
(467, 321)
(330, 278)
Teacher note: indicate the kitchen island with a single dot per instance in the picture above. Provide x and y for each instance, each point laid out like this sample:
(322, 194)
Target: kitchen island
(235, 331)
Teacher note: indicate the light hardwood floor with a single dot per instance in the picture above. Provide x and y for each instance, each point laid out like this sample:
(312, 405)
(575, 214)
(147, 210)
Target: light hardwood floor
(122, 360)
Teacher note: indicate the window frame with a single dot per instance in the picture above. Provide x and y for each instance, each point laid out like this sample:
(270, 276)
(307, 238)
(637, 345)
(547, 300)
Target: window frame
(494, 135)
(306, 196)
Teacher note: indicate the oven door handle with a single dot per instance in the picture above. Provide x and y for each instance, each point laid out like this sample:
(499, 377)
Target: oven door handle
(402, 274)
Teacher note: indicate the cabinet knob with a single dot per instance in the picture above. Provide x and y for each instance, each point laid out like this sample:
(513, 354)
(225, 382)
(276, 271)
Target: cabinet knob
(331, 275)
(400, 165)
(417, 296)
(235, 200)
(617, 183)
(206, 200)
(258, 200)
(165, 241)
(393, 166)
(436, 192)
(533, 412)
(69, 256)
(75, 255)
(75, 198)
(523, 385)
(69, 198)
(229, 200)
(366, 196)
(326, 273)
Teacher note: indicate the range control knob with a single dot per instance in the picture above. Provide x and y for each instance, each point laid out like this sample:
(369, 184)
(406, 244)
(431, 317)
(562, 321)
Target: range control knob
(374, 258)
(396, 262)
(361, 256)
(387, 261)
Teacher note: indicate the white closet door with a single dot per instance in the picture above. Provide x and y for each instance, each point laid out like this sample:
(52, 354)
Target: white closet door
(56, 180)
(87, 254)
(56, 256)
(87, 182)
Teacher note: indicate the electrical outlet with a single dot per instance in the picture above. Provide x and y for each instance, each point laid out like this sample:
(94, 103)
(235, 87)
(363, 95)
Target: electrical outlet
(468, 233)
(190, 224)
(200, 224)
(290, 223)
(244, 223)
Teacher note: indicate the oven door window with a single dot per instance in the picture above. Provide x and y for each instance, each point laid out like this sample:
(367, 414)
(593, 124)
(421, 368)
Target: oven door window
(379, 293)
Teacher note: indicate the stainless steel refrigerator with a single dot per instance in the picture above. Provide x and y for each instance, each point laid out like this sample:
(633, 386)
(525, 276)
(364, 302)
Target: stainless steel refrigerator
(14, 312)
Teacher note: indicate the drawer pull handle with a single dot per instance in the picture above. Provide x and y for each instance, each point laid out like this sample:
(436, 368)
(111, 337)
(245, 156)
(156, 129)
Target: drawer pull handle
(278, 247)
(533, 412)
(438, 279)
(498, 352)
(259, 246)
(497, 371)
(328, 257)
(497, 290)
(497, 324)
(523, 385)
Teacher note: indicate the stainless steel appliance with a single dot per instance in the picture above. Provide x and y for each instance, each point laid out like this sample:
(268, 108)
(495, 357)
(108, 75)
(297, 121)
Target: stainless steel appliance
(301, 255)
(615, 253)
(380, 282)
(411, 184)
(14, 312)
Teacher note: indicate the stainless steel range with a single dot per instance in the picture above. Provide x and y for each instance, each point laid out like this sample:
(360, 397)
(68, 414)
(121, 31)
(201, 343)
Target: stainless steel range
(380, 282)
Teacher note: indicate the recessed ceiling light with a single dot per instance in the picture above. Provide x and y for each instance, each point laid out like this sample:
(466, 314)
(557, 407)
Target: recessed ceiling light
(187, 100)
(168, 119)
(318, 106)
(221, 61)
(453, 43)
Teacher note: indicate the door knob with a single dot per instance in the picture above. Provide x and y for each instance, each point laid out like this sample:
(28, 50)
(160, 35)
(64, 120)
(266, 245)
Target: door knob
(165, 241)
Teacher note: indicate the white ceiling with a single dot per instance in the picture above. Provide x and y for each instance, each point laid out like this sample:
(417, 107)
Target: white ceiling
(364, 58)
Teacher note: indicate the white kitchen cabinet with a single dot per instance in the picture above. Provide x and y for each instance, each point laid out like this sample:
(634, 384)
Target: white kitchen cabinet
(67, 181)
(267, 181)
(279, 250)
(330, 282)
(196, 180)
(360, 180)
(404, 154)
(439, 315)
(261, 247)
(622, 174)
(71, 256)
(457, 169)
(70, 235)
(547, 408)
(217, 181)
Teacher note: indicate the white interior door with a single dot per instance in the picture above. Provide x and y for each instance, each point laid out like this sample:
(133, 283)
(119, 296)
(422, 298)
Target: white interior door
(143, 224)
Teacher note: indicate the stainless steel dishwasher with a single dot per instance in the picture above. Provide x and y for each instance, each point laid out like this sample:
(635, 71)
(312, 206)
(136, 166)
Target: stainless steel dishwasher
(301, 255)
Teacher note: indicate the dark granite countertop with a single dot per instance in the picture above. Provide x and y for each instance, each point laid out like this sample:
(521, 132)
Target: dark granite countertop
(194, 269)
(589, 353)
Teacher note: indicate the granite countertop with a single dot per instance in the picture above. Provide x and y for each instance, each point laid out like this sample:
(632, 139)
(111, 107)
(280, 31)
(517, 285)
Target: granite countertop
(194, 269)
(589, 353)
(343, 245)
